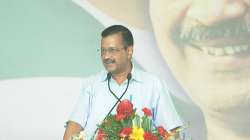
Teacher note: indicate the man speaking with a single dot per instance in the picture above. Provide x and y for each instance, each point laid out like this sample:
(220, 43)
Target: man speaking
(121, 80)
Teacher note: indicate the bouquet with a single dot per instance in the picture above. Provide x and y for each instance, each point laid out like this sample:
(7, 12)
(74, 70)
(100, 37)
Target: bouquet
(126, 124)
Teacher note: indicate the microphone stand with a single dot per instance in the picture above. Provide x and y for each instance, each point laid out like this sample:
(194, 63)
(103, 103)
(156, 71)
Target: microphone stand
(118, 99)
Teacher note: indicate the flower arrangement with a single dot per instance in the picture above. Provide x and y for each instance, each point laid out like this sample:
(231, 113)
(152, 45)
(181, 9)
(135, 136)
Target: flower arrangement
(126, 124)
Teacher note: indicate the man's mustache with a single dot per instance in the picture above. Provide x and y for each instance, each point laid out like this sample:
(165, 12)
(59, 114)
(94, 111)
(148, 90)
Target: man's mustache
(229, 29)
(108, 61)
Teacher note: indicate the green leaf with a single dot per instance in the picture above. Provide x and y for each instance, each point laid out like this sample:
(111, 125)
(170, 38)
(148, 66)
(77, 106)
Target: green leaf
(146, 123)
(137, 121)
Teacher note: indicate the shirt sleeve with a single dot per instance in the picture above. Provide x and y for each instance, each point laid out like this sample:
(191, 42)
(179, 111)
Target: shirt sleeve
(82, 108)
(165, 113)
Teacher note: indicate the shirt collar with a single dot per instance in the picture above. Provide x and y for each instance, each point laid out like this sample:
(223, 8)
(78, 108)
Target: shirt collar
(134, 72)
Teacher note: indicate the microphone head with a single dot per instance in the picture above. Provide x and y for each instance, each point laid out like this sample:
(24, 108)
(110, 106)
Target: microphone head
(109, 76)
(129, 76)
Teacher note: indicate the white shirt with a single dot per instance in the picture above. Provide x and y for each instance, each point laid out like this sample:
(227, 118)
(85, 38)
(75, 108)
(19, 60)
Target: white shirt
(145, 90)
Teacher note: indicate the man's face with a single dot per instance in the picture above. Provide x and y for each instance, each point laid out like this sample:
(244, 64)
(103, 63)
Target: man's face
(206, 44)
(115, 57)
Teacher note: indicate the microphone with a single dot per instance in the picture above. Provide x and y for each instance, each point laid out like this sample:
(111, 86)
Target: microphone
(109, 76)
(129, 76)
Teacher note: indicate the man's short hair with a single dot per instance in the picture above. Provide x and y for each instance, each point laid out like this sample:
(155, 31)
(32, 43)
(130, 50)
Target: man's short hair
(127, 36)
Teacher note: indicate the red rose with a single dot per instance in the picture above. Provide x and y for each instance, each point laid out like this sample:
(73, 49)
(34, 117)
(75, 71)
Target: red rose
(161, 131)
(119, 117)
(147, 112)
(125, 132)
(149, 136)
(125, 108)
(100, 135)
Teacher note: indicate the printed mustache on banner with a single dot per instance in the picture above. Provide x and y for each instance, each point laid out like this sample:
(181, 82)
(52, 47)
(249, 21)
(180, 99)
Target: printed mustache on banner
(191, 30)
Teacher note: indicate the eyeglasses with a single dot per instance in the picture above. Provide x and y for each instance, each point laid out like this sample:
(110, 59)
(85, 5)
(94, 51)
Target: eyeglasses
(110, 50)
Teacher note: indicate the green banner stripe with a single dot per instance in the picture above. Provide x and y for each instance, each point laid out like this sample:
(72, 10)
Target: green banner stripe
(47, 38)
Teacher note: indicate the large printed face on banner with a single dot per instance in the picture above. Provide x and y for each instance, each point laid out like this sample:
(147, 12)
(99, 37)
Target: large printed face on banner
(206, 44)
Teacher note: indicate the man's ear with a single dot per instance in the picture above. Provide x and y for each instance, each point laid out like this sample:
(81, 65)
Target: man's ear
(137, 12)
(130, 51)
